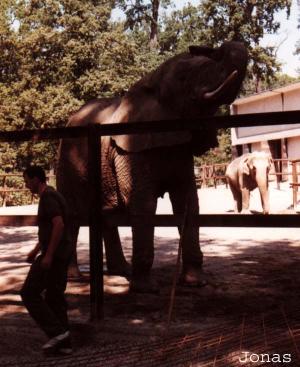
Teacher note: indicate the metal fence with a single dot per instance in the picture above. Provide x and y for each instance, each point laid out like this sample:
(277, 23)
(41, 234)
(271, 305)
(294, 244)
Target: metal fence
(93, 132)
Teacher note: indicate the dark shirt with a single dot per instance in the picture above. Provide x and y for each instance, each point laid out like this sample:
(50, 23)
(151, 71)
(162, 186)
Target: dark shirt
(53, 204)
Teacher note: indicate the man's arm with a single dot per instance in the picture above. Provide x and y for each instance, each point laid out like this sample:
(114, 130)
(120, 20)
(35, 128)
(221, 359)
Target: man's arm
(56, 234)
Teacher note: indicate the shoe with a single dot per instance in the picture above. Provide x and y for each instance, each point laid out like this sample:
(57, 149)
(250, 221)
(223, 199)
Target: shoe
(53, 343)
(64, 347)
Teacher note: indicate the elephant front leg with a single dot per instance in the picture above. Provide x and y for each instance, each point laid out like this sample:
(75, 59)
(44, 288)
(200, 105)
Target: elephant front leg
(73, 269)
(245, 200)
(143, 248)
(237, 197)
(142, 259)
(192, 257)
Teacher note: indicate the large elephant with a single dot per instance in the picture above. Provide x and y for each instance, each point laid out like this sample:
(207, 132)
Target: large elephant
(244, 174)
(137, 169)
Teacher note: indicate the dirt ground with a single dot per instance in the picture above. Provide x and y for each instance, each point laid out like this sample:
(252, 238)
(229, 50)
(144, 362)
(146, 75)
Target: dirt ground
(251, 302)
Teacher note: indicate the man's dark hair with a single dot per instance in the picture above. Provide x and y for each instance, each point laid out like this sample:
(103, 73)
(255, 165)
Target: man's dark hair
(35, 171)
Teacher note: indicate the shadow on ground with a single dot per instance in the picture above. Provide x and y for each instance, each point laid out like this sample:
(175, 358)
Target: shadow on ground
(247, 279)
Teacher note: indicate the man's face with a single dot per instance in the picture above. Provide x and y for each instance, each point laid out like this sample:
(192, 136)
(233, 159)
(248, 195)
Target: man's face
(32, 183)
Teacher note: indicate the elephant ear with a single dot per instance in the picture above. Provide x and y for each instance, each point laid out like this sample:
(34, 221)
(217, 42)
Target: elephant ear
(144, 108)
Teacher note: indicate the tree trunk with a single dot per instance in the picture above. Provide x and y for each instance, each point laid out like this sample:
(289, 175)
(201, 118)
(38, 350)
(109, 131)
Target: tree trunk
(154, 24)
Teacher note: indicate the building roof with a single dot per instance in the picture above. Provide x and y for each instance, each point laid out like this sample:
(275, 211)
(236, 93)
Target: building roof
(267, 94)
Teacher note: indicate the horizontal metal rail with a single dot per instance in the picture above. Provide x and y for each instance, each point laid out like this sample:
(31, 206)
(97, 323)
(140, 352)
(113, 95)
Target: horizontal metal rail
(167, 220)
(257, 119)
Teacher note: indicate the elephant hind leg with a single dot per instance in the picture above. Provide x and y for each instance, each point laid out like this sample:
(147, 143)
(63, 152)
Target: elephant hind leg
(73, 270)
(237, 197)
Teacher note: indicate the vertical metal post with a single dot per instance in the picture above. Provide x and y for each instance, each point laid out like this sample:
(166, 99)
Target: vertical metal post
(95, 223)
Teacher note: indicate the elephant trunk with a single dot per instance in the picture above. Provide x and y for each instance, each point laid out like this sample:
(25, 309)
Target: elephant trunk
(262, 183)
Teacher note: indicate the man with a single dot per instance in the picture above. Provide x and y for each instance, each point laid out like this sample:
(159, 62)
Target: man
(48, 272)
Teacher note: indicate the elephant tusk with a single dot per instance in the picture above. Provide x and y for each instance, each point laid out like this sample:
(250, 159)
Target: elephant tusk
(214, 93)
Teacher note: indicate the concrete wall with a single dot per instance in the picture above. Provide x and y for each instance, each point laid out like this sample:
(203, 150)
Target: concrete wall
(294, 147)
(291, 100)
(272, 103)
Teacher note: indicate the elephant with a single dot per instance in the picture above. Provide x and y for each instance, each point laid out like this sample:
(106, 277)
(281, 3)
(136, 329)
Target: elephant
(137, 169)
(244, 174)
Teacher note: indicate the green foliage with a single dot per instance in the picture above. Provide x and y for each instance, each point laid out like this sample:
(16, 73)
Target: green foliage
(9, 198)
(220, 154)
(246, 21)
(277, 81)
(58, 54)
(19, 198)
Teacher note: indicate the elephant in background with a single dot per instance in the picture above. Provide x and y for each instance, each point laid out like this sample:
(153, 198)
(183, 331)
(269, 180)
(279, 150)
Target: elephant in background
(244, 174)
(137, 169)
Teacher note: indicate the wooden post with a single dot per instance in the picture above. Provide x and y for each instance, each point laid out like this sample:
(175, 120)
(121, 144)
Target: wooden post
(214, 176)
(95, 223)
(4, 192)
(294, 183)
(277, 165)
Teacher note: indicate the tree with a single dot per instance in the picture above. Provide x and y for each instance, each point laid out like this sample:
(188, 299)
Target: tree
(57, 54)
(246, 21)
(144, 14)
(61, 54)
(297, 51)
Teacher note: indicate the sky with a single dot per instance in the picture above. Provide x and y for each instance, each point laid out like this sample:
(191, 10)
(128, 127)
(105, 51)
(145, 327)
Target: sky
(286, 38)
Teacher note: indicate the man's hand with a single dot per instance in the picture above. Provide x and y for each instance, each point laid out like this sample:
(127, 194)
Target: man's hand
(46, 262)
(33, 253)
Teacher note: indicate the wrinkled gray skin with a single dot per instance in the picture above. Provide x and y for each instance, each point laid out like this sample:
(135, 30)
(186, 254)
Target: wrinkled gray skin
(137, 169)
(244, 174)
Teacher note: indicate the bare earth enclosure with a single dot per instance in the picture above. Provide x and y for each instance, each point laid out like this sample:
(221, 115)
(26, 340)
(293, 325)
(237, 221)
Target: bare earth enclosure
(249, 310)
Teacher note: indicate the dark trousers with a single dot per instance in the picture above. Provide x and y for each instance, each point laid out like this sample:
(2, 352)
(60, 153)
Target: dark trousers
(43, 296)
